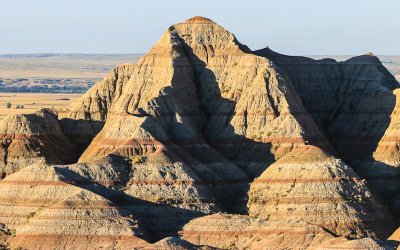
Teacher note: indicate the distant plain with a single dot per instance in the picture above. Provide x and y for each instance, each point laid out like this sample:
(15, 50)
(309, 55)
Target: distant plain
(60, 73)
(32, 102)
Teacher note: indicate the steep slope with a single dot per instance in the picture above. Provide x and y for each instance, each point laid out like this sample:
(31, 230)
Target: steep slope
(251, 108)
(30, 138)
(191, 96)
(314, 187)
(65, 207)
(339, 96)
(86, 117)
(172, 142)
(352, 103)
(162, 206)
(216, 80)
(382, 171)
(364, 243)
(38, 186)
(82, 220)
(395, 236)
(243, 232)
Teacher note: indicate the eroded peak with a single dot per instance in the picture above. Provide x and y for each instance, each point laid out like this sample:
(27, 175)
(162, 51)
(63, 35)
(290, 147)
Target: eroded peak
(199, 19)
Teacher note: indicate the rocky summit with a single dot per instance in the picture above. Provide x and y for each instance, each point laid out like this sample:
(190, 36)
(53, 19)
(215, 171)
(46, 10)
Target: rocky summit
(206, 144)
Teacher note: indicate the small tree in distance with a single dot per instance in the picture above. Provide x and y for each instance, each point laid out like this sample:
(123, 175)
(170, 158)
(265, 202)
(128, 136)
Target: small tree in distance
(8, 105)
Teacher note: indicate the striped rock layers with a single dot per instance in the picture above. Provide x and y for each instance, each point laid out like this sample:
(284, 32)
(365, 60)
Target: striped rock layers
(26, 139)
(382, 171)
(355, 103)
(350, 101)
(86, 117)
(182, 104)
(201, 127)
(313, 186)
(193, 100)
(243, 232)
(65, 206)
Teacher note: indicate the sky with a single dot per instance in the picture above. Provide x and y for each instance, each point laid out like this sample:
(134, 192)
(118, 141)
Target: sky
(306, 27)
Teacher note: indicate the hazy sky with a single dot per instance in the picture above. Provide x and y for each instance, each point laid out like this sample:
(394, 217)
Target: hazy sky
(299, 27)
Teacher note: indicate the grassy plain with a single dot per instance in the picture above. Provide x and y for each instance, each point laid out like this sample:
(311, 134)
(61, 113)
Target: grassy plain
(57, 73)
(32, 102)
(61, 65)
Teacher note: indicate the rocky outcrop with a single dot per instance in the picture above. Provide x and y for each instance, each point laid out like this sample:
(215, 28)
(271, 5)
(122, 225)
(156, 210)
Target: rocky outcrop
(353, 103)
(176, 244)
(66, 207)
(30, 138)
(339, 95)
(382, 171)
(209, 103)
(199, 131)
(364, 243)
(313, 186)
(86, 117)
(395, 237)
(181, 101)
(243, 232)
(81, 220)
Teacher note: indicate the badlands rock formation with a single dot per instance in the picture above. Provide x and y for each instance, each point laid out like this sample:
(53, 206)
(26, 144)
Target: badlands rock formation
(84, 119)
(354, 105)
(26, 139)
(206, 144)
(314, 187)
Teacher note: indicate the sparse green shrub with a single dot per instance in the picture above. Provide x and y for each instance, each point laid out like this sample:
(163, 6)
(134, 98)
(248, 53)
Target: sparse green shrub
(253, 199)
(29, 215)
(137, 159)
(230, 246)
(4, 247)
(8, 105)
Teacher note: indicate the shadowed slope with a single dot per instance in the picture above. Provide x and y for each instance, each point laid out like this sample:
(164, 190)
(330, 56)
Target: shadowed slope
(353, 104)
(86, 117)
(30, 138)
(339, 96)
(193, 90)
(179, 137)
